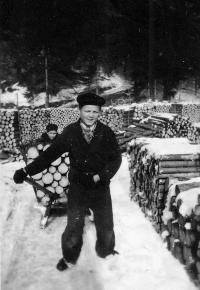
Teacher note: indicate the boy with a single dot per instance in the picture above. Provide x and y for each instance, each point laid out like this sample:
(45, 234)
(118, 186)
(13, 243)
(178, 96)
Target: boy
(94, 159)
(49, 136)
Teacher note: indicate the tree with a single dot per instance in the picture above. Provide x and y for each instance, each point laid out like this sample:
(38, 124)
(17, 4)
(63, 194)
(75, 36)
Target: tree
(77, 36)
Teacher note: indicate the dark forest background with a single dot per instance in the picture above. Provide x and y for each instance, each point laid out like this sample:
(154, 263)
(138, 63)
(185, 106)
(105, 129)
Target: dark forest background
(144, 40)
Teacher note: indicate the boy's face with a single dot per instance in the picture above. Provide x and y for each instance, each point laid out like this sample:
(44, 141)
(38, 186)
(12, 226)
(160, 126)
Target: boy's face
(52, 134)
(89, 114)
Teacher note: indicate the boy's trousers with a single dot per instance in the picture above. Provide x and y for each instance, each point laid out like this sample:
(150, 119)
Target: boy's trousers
(80, 199)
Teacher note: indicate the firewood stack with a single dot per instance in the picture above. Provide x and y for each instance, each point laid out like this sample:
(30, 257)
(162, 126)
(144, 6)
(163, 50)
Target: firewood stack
(160, 107)
(54, 178)
(16, 155)
(181, 224)
(33, 123)
(174, 126)
(154, 164)
(190, 110)
(9, 129)
(112, 118)
(151, 163)
(193, 134)
(135, 131)
(137, 112)
(62, 117)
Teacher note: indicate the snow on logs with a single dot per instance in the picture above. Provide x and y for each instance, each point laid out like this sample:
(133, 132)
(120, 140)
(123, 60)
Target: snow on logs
(174, 126)
(162, 125)
(140, 111)
(151, 163)
(181, 224)
(172, 206)
(9, 129)
(54, 178)
(137, 112)
(157, 115)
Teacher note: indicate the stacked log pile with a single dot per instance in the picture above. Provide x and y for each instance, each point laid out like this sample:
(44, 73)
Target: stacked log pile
(109, 116)
(190, 110)
(63, 117)
(135, 131)
(140, 111)
(151, 161)
(137, 112)
(152, 164)
(112, 118)
(16, 156)
(33, 123)
(9, 129)
(181, 224)
(159, 107)
(54, 178)
(174, 126)
(194, 134)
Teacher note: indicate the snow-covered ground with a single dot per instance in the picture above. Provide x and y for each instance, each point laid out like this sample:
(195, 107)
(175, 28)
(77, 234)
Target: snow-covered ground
(29, 254)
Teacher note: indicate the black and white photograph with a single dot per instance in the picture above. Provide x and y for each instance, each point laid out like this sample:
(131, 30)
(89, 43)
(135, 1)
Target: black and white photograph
(100, 144)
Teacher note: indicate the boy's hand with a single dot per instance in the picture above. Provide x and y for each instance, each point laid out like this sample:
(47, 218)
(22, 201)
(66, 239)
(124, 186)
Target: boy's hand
(19, 176)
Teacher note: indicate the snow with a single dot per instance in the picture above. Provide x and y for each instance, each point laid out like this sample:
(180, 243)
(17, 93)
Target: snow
(189, 201)
(29, 254)
(158, 146)
(115, 82)
(16, 97)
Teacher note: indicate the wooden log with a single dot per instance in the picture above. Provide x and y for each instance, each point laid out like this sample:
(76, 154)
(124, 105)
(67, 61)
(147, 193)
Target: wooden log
(179, 170)
(145, 126)
(186, 186)
(181, 175)
(182, 236)
(191, 238)
(197, 210)
(175, 212)
(178, 252)
(162, 118)
(182, 221)
(135, 129)
(128, 139)
(179, 163)
(180, 157)
(175, 229)
(38, 186)
(189, 257)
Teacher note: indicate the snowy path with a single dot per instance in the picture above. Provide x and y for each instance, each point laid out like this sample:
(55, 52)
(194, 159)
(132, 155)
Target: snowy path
(29, 255)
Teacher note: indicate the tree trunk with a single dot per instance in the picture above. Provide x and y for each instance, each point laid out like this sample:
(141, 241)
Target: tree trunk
(151, 51)
(46, 82)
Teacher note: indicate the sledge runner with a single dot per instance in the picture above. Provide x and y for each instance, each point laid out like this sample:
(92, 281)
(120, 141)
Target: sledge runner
(94, 159)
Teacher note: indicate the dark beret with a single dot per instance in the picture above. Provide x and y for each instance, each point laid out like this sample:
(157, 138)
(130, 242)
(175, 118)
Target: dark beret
(51, 127)
(90, 99)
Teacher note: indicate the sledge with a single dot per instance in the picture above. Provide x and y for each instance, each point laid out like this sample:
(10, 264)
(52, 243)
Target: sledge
(50, 205)
(53, 205)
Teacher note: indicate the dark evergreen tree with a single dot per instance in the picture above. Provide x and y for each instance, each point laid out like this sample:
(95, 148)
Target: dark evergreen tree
(78, 36)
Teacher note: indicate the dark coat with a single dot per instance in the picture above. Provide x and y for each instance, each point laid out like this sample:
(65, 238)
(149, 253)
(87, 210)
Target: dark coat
(102, 156)
(44, 139)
